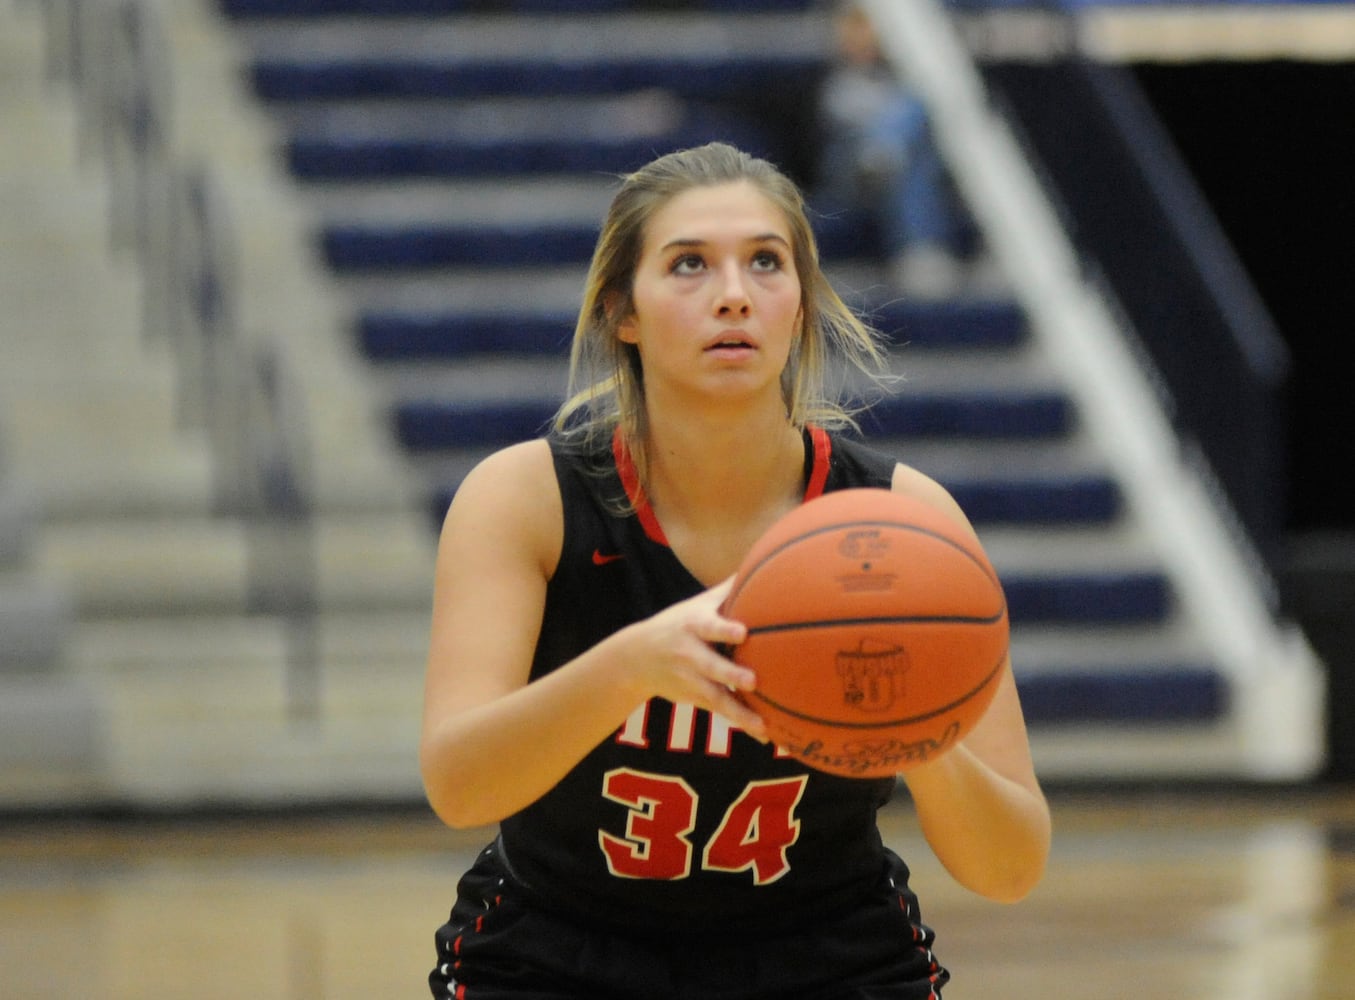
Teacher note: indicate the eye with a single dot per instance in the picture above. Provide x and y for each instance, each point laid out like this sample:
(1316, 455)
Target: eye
(687, 263)
(767, 260)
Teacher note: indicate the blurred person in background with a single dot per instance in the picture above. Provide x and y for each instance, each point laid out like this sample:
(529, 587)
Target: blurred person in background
(878, 159)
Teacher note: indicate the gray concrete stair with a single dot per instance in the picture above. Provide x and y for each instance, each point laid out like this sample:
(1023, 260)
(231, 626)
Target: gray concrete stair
(146, 650)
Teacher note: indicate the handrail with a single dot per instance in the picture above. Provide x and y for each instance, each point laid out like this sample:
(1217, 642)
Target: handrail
(236, 390)
(1222, 364)
(1218, 578)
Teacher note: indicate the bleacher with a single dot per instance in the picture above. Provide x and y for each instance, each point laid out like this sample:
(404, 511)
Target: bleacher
(447, 165)
(208, 545)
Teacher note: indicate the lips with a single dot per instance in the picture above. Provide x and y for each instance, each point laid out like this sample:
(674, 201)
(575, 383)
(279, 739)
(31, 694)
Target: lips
(730, 342)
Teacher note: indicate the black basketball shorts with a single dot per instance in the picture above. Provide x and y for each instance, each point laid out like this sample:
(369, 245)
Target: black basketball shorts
(498, 945)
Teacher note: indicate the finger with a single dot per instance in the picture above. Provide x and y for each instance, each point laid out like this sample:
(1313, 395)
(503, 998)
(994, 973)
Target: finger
(721, 631)
(741, 716)
(721, 590)
(706, 621)
(735, 677)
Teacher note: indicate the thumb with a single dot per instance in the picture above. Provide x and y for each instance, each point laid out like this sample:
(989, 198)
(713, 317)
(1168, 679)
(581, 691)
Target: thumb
(720, 592)
(727, 631)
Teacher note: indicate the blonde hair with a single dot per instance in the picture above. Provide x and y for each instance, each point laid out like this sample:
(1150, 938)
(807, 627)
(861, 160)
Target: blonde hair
(606, 380)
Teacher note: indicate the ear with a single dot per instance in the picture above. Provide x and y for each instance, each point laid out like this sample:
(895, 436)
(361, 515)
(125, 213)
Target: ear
(626, 329)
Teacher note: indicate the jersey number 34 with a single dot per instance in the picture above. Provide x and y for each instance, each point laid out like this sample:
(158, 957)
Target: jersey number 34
(753, 836)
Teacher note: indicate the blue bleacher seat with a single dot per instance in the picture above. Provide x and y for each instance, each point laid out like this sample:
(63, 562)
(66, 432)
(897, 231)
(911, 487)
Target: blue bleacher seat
(428, 334)
(1075, 499)
(1112, 596)
(990, 414)
(435, 335)
(714, 78)
(949, 324)
(440, 423)
(396, 157)
(421, 247)
(1125, 694)
(1015, 500)
(443, 423)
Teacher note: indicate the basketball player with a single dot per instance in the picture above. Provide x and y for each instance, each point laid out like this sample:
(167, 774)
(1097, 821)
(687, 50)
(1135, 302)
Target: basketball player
(652, 844)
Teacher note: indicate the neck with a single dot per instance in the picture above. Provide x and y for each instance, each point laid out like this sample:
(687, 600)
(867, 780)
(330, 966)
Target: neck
(724, 467)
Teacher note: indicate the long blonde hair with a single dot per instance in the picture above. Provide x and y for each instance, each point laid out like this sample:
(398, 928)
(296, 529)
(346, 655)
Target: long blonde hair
(606, 380)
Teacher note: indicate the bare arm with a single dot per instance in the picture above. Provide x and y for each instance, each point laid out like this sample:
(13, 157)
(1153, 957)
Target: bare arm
(980, 805)
(491, 743)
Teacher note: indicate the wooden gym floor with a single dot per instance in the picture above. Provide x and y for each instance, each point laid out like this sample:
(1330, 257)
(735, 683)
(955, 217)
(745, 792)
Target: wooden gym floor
(1173, 894)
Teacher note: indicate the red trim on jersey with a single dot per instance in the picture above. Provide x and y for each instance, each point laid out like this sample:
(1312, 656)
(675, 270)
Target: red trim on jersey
(818, 473)
(630, 480)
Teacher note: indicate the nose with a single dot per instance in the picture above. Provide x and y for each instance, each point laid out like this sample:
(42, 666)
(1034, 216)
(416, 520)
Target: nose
(733, 297)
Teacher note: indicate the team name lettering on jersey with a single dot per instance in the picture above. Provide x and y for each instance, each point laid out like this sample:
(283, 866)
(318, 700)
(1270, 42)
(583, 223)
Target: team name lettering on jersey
(682, 722)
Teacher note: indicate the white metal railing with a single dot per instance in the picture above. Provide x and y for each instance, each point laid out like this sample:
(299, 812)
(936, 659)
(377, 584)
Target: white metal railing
(1279, 705)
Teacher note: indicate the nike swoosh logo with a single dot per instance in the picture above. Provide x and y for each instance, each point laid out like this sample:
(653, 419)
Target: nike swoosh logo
(602, 559)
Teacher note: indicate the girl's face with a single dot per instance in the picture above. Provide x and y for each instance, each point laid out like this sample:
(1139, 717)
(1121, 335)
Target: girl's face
(716, 298)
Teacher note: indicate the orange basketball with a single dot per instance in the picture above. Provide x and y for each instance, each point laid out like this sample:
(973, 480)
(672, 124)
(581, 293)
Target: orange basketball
(877, 629)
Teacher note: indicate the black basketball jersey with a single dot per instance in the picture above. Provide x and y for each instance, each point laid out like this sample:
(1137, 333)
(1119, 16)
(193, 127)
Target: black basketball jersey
(678, 820)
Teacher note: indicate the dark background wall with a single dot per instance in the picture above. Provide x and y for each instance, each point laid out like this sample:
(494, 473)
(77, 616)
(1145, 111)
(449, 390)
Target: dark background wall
(1270, 144)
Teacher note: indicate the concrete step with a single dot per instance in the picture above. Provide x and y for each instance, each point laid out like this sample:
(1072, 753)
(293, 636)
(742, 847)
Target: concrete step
(216, 708)
(132, 442)
(54, 745)
(563, 198)
(37, 621)
(126, 566)
(183, 710)
(86, 441)
(177, 480)
(190, 566)
(41, 128)
(167, 676)
(64, 288)
(18, 516)
(22, 47)
(226, 762)
(1046, 651)
(1048, 551)
(357, 647)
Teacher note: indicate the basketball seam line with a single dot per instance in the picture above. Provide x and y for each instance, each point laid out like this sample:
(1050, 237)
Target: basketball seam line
(881, 620)
(884, 723)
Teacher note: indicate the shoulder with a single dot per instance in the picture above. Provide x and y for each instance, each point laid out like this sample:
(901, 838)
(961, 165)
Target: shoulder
(511, 496)
(910, 482)
(520, 472)
(861, 464)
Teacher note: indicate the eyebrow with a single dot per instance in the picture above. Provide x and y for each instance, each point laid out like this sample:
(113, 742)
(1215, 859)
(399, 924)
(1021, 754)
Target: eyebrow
(693, 242)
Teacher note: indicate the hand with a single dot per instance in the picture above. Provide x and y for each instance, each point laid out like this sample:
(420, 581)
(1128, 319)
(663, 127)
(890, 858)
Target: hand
(674, 655)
